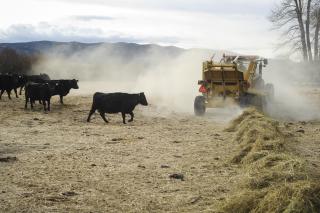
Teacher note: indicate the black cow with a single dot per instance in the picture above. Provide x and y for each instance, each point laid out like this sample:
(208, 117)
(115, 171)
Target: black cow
(63, 87)
(20, 82)
(8, 83)
(115, 103)
(38, 78)
(38, 92)
(41, 78)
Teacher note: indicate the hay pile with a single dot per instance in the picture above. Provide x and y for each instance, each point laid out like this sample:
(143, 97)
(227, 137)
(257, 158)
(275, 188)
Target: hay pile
(274, 180)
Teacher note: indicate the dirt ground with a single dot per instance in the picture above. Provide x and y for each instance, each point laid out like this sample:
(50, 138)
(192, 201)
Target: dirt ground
(61, 163)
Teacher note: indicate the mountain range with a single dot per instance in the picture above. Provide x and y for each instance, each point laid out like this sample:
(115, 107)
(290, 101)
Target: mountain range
(36, 47)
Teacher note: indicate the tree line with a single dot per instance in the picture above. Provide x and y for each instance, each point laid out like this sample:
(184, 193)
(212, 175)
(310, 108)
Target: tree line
(300, 22)
(12, 61)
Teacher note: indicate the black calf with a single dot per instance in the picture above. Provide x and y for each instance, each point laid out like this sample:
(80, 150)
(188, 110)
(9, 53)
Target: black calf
(38, 92)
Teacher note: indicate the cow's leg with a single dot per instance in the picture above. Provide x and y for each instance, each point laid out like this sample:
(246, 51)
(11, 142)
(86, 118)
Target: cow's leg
(27, 99)
(31, 103)
(48, 105)
(91, 113)
(123, 117)
(132, 115)
(61, 99)
(103, 116)
(2, 91)
(15, 91)
(20, 93)
(44, 105)
(9, 93)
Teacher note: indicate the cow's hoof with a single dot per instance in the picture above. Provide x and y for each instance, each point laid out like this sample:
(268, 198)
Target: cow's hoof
(130, 120)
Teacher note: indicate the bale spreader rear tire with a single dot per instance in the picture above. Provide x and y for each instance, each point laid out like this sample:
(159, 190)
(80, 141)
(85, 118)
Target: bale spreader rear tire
(254, 100)
(199, 106)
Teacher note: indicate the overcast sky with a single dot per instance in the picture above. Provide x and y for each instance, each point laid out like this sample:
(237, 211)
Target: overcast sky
(235, 25)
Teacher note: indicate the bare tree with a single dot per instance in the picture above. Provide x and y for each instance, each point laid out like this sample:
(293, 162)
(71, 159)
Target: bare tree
(300, 20)
(13, 62)
(289, 15)
(316, 22)
(298, 5)
(310, 57)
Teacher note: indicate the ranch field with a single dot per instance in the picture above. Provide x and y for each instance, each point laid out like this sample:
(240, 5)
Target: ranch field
(161, 162)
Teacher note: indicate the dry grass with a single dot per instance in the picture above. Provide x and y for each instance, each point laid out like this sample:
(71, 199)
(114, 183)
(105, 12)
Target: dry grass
(64, 164)
(275, 180)
(67, 165)
(301, 196)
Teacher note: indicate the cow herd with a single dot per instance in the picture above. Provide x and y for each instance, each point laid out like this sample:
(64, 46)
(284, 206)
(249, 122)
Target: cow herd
(43, 91)
(37, 87)
(41, 88)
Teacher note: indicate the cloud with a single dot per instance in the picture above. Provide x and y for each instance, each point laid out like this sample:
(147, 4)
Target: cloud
(261, 7)
(92, 18)
(235, 25)
(46, 31)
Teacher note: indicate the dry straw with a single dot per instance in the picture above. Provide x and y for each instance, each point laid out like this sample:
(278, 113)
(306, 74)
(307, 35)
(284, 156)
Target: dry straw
(275, 180)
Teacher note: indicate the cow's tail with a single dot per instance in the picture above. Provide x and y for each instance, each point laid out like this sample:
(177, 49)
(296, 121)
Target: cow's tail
(26, 95)
(93, 107)
(26, 91)
(94, 98)
(94, 101)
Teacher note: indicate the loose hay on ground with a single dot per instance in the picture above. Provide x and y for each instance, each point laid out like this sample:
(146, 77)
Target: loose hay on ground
(57, 152)
(257, 136)
(274, 180)
(301, 196)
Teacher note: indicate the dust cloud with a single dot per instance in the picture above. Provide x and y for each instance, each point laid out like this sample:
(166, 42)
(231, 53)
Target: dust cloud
(167, 75)
(295, 84)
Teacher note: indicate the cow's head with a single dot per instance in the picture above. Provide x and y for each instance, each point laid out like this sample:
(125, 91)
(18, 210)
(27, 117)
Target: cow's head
(22, 79)
(74, 84)
(142, 99)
